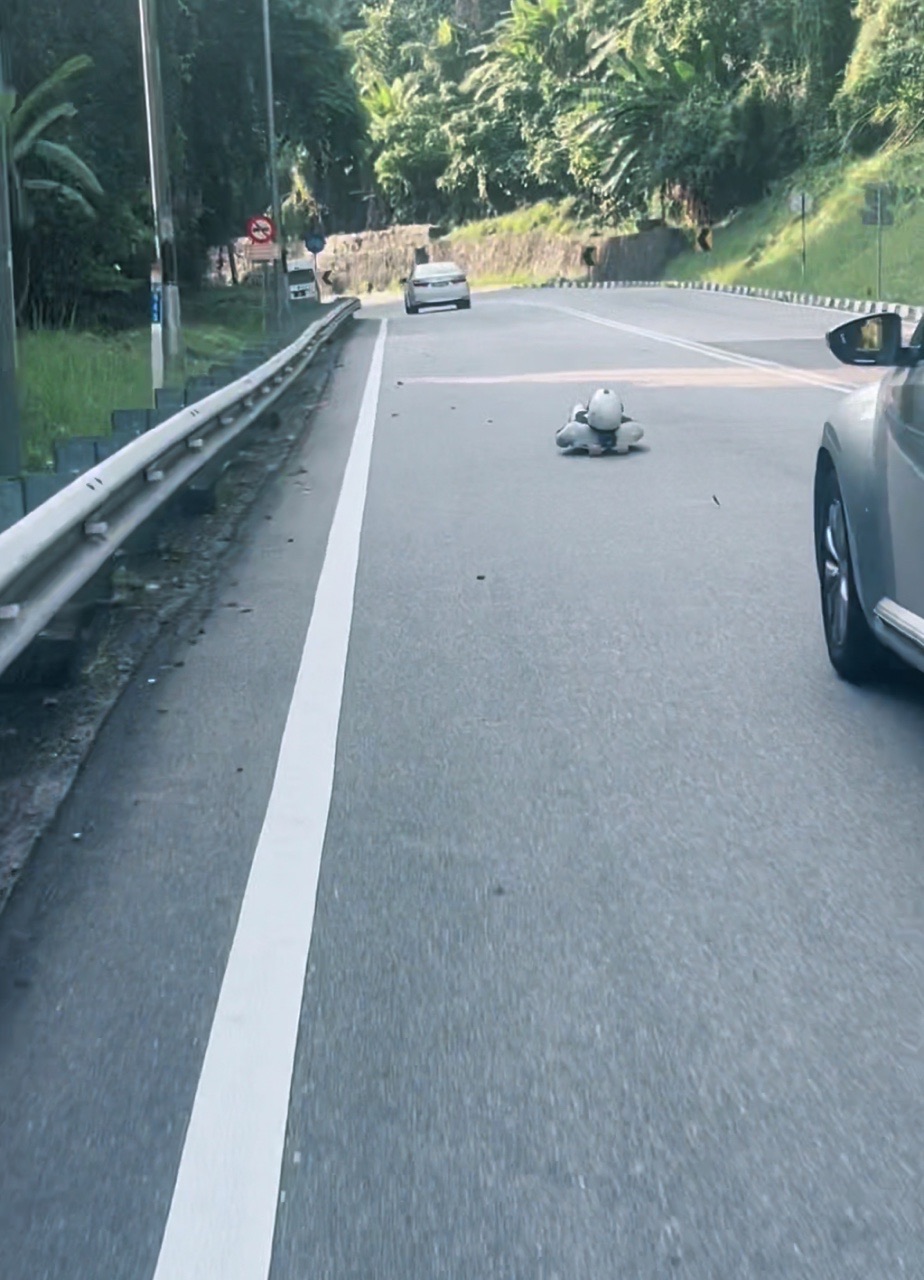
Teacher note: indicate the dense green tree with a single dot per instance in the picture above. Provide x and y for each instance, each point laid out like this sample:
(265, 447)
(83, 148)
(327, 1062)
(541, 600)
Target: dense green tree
(215, 108)
(221, 160)
(436, 110)
(883, 91)
(529, 66)
(40, 165)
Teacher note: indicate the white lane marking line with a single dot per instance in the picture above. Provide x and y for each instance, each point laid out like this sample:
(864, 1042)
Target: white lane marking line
(223, 1213)
(687, 344)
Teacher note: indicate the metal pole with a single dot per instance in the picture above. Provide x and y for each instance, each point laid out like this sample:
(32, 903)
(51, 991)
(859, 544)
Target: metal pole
(10, 445)
(879, 243)
(280, 299)
(803, 237)
(166, 328)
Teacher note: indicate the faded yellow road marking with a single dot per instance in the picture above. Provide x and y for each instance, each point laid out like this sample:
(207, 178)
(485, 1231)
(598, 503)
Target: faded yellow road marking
(723, 376)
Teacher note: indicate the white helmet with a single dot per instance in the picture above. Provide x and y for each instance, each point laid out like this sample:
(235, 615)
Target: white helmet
(604, 413)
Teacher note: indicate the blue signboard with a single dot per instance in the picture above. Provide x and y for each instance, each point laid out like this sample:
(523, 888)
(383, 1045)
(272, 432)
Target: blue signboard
(157, 304)
(315, 243)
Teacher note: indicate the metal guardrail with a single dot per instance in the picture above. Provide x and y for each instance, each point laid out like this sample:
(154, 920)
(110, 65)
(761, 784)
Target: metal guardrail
(48, 556)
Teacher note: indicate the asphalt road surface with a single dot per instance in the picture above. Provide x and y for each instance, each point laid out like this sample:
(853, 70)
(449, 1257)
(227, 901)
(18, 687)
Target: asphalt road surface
(610, 966)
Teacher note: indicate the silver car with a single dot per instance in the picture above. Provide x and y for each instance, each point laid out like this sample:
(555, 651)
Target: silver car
(869, 504)
(436, 284)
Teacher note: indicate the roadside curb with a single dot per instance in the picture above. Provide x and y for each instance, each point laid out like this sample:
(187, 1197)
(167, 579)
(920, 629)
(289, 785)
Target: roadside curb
(864, 306)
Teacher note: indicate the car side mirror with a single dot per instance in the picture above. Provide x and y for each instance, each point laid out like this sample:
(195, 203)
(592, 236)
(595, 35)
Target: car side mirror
(403, 280)
(872, 340)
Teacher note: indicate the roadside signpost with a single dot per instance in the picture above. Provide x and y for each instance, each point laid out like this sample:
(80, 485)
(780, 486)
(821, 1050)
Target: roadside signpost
(157, 300)
(314, 243)
(167, 358)
(877, 213)
(262, 252)
(157, 324)
(261, 232)
(800, 202)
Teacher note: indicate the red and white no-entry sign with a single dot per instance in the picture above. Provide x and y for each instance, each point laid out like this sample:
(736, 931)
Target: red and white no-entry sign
(261, 230)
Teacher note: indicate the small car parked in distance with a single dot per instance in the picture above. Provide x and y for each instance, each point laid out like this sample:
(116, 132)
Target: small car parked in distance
(436, 284)
(303, 284)
(869, 504)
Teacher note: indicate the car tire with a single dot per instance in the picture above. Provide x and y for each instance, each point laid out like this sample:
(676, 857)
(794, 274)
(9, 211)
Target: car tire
(463, 306)
(411, 311)
(855, 653)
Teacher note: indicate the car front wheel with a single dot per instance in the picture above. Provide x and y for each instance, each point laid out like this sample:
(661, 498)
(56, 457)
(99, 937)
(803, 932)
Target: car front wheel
(855, 653)
(464, 306)
(411, 311)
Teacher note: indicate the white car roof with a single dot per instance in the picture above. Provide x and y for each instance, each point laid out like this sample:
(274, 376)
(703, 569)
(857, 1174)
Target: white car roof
(437, 269)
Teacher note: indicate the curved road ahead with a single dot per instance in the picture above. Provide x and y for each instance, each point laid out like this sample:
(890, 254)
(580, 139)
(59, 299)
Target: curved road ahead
(610, 969)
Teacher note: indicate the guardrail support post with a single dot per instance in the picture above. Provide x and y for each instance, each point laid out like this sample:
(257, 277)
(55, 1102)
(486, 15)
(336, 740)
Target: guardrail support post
(53, 656)
(200, 497)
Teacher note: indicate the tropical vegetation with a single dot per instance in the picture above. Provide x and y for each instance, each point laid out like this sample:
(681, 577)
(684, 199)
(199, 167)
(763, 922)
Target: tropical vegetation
(439, 111)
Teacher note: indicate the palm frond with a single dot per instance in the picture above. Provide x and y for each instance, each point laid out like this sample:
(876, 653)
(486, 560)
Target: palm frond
(627, 149)
(63, 191)
(625, 173)
(603, 48)
(34, 101)
(23, 139)
(63, 158)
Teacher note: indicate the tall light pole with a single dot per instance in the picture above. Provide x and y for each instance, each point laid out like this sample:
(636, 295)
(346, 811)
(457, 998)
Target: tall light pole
(280, 294)
(9, 403)
(166, 331)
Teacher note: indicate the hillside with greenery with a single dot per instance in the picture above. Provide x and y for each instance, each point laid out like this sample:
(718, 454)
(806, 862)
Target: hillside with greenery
(445, 111)
(683, 109)
(762, 245)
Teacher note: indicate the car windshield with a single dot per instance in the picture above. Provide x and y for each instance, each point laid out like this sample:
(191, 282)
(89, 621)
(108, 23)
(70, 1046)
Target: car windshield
(301, 275)
(437, 270)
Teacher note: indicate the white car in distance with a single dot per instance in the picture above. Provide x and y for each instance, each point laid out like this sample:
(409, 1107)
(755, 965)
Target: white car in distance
(303, 284)
(436, 284)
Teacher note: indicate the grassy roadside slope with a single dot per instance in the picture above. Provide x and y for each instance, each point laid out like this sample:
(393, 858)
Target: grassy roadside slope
(550, 218)
(762, 246)
(70, 381)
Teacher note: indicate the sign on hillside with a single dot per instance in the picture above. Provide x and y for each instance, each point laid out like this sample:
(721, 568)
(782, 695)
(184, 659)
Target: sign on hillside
(877, 212)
